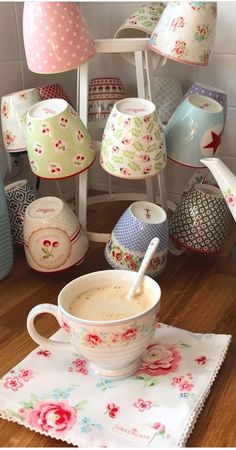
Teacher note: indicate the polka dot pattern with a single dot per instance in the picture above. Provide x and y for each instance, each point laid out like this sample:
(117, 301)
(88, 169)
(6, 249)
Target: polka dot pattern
(52, 33)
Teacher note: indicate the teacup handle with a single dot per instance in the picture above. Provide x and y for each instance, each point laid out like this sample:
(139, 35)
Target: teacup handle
(40, 340)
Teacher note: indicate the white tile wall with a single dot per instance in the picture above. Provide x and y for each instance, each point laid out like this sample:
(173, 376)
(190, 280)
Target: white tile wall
(104, 18)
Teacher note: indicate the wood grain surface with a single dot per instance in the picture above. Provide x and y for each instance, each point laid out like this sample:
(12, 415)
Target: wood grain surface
(198, 294)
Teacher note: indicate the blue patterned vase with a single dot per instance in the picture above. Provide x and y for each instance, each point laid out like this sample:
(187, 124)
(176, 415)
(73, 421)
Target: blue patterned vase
(6, 246)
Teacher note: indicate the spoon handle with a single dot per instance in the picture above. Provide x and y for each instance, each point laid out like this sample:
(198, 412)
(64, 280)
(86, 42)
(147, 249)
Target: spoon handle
(146, 260)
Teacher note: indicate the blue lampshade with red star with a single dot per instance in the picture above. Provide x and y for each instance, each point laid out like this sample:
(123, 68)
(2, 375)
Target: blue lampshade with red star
(194, 131)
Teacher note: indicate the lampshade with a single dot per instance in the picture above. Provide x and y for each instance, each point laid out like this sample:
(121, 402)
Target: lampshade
(133, 144)
(194, 131)
(58, 144)
(186, 32)
(56, 37)
(140, 24)
(103, 94)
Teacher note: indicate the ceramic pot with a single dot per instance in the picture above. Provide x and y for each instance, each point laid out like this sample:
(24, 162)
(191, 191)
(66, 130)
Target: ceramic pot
(48, 91)
(56, 37)
(140, 24)
(103, 94)
(19, 195)
(53, 237)
(133, 144)
(14, 109)
(167, 95)
(58, 144)
(185, 32)
(200, 221)
(6, 245)
(194, 131)
(130, 238)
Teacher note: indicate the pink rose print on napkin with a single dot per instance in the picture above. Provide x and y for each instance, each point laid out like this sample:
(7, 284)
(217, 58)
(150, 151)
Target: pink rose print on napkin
(184, 384)
(18, 378)
(13, 383)
(142, 405)
(160, 429)
(160, 359)
(51, 416)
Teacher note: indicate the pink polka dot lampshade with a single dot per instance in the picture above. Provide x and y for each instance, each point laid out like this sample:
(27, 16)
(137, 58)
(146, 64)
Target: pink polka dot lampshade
(56, 37)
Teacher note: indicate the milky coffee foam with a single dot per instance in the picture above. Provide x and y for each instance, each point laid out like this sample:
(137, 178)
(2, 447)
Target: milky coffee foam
(110, 303)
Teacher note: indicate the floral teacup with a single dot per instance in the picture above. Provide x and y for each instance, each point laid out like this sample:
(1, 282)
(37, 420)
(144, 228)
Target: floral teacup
(113, 348)
(139, 224)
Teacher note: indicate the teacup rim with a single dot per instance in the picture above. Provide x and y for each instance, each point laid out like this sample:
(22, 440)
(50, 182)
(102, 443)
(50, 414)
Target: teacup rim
(107, 322)
(152, 205)
(22, 92)
(217, 104)
(149, 104)
(38, 200)
(215, 191)
(15, 185)
(49, 100)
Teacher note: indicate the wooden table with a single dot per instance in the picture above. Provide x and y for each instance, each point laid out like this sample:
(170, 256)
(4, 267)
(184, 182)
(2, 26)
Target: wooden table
(198, 294)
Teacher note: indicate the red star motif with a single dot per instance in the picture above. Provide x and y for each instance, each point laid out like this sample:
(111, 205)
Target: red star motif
(216, 139)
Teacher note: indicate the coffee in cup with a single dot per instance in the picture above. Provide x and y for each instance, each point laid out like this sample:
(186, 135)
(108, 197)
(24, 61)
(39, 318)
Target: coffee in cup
(110, 303)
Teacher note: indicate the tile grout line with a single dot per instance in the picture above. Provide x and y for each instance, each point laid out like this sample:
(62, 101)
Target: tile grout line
(18, 43)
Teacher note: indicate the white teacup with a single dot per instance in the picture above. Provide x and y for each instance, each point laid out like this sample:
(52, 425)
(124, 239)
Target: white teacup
(113, 348)
(14, 109)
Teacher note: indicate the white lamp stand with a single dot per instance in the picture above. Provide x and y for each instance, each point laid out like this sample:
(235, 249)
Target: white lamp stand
(138, 46)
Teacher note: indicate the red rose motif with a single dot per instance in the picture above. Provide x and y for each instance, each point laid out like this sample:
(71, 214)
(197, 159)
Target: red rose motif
(45, 353)
(93, 339)
(54, 416)
(201, 360)
(130, 334)
(133, 265)
(55, 244)
(118, 256)
(112, 410)
(160, 359)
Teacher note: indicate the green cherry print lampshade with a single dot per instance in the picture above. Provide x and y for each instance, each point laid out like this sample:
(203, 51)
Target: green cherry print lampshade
(58, 144)
(133, 144)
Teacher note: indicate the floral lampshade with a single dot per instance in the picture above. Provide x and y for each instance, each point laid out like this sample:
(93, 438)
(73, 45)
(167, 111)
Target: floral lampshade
(56, 37)
(186, 32)
(140, 24)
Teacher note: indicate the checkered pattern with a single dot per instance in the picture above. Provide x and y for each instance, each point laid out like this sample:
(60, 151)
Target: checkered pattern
(53, 91)
(135, 235)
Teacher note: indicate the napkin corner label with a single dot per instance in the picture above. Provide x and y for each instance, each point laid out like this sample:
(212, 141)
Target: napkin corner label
(143, 435)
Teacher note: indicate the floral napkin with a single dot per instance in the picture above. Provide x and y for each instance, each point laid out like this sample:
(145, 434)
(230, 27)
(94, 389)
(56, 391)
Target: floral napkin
(54, 393)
